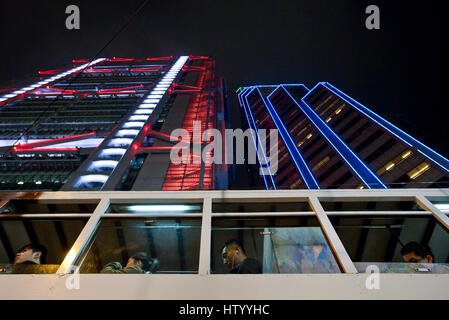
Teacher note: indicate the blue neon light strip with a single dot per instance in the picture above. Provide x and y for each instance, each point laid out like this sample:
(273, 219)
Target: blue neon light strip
(239, 95)
(245, 98)
(369, 178)
(288, 85)
(434, 156)
(299, 161)
(278, 87)
(244, 91)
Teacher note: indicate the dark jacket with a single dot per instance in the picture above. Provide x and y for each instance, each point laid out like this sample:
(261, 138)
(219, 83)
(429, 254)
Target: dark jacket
(249, 265)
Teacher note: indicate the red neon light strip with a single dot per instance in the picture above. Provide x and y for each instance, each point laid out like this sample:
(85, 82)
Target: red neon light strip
(51, 94)
(168, 136)
(191, 90)
(80, 61)
(56, 71)
(113, 92)
(8, 89)
(162, 148)
(193, 68)
(152, 69)
(184, 86)
(197, 57)
(159, 58)
(30, 145)
(45, 149)
(121, 59)
(62, 91)
(117, 90)
(91, 70)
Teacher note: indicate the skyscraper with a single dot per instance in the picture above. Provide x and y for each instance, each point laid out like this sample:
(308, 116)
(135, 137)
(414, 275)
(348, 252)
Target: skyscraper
(329, 140)
(106, 124)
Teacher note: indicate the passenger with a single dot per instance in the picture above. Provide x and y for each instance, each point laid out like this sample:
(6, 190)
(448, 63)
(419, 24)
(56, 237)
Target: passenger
(417, 253)
(138, 263)
(234, 257)
(31, 254)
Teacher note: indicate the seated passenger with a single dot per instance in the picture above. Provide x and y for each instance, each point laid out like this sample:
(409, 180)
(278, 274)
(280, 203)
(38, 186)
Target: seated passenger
(31, 254)
(235, 259)
(417, 253)
(138, 263)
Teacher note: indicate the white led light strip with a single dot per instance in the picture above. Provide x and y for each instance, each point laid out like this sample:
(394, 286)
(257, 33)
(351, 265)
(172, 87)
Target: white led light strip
(46, 81)
(136, 121)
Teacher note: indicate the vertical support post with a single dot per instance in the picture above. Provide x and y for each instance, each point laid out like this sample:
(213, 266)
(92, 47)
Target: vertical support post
(3, 204)
(334, 241)
(84, 237)
(424, 203)
(205, 245)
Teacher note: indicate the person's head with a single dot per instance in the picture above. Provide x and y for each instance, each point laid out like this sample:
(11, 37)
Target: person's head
(417, 253)
(31, 252)
(232, 253)
(139, 259)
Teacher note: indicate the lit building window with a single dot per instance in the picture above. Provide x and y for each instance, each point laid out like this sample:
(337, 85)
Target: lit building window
(264, 119)
(339, 109)
(305, 139)
(391, 164)
(419, 170)
(325, 101)
(321, 163)
(302, 130)
(406, 154)
(329, 107)
(298, 124)
(335, 112)
(283, 157)
(295, 184)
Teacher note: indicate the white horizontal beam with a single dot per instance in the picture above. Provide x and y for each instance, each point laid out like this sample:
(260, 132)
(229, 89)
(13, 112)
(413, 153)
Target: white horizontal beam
(251, 287)
(238, 195)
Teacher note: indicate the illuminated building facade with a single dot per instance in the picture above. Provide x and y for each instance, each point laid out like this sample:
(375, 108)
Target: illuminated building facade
(106, 124)
(330, 141)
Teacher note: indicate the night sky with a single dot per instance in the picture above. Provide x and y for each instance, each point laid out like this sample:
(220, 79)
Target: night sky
(396, 71)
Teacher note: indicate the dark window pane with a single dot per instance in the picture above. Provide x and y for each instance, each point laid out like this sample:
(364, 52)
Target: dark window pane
(175, 243)
(56, 235)
(281, 245)
(260, 207)
(53, 206)
(379, 239)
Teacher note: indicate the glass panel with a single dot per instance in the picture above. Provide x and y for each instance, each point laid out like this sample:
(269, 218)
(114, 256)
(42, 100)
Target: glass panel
(57, 236)
(441, 203)
(49, 206)
(171, 245)
(367, 205)
(222, 207)
(394, 243)
(279, 244)
(155, 207)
